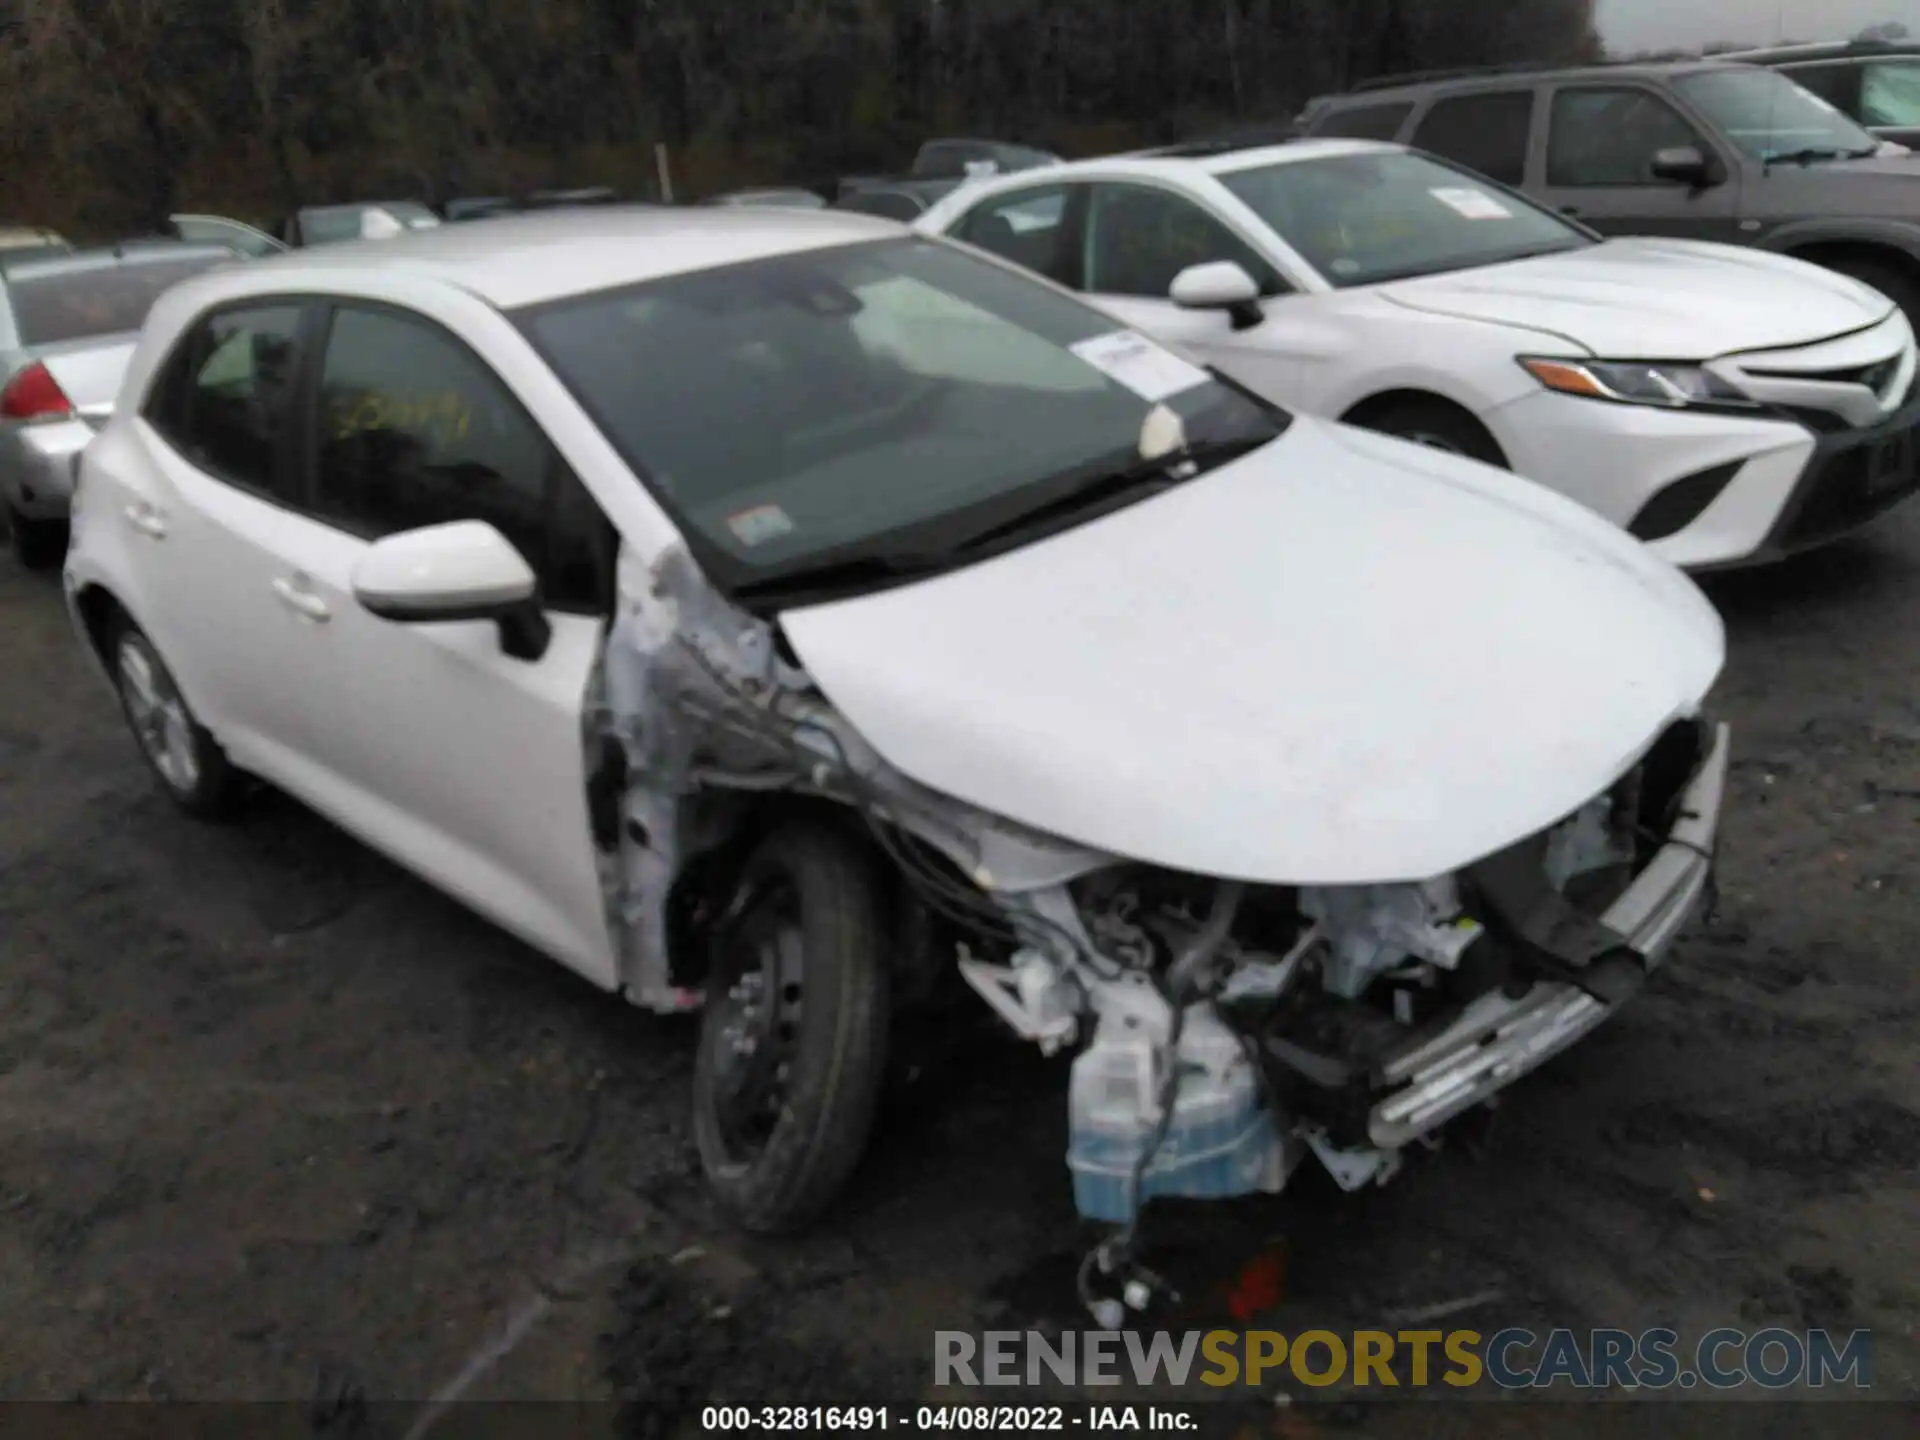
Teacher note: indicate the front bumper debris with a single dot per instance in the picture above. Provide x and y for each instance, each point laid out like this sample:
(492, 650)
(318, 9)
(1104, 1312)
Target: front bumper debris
(1499, 1037)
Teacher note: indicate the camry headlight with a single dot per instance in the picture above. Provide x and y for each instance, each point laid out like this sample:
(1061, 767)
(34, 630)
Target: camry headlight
(1635, 382)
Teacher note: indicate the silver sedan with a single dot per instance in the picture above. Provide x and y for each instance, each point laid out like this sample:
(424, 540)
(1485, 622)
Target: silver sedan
(67, 327)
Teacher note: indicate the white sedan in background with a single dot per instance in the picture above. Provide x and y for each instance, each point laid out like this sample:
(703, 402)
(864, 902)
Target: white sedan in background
(1725, 405)
(781, 613)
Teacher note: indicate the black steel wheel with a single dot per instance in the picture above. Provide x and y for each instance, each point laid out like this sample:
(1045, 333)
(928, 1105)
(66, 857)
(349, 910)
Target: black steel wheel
(794, 1036)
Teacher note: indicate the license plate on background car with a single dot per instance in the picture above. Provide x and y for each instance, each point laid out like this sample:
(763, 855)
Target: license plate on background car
(1893, 464)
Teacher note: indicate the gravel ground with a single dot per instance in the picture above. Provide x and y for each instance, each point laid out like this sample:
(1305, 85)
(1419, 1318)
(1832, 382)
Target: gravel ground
(278, 1122)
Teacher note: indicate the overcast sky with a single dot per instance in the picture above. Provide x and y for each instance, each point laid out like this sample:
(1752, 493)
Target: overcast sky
(1655, 24)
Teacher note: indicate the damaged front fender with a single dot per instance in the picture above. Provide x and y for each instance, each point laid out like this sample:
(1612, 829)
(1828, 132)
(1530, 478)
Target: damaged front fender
(692, 714)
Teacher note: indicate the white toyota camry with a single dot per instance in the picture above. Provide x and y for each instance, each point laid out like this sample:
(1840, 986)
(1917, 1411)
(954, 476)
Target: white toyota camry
(783, 613)
(1723, 404)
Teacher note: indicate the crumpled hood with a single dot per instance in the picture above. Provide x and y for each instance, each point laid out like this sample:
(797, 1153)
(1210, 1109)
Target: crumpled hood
(1342, 659)
(1654, 299)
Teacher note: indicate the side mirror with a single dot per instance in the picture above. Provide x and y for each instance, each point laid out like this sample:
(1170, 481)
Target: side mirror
(1684, 164)
(1219, 285)
(466, 570)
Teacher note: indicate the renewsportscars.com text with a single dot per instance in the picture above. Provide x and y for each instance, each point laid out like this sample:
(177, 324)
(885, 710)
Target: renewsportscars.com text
(1512, 1359)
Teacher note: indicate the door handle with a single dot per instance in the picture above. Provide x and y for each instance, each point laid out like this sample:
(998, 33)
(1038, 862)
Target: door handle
(1569, 209)
(296, 597)
(147, 520)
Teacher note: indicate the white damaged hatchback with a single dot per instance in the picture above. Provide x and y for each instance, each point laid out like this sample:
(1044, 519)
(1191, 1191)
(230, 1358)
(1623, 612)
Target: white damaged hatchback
(776, 613)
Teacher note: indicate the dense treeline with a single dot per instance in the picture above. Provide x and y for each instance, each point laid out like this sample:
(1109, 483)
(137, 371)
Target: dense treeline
(113, 112)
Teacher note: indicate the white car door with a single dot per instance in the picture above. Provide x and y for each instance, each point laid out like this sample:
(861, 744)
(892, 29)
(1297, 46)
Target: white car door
(466, 764)
(209, 513)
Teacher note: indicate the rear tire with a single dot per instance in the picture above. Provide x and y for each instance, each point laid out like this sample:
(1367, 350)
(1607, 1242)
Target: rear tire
(793, 1042)
(1435, 423)
(183, 756)
(37, 544)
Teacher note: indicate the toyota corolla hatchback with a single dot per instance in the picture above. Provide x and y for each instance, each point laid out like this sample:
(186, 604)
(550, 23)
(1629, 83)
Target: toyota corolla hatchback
(1723, 404)
(782, 614)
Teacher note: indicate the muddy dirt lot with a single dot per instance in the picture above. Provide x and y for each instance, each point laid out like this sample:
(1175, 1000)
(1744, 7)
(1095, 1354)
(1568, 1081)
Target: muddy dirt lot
(275, 1119)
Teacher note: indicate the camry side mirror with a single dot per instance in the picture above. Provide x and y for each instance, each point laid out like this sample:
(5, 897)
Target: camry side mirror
(1219, 285)
(466, 570)
(1684, 164)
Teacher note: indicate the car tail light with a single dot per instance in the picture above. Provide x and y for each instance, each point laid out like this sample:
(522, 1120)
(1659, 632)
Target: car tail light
(34, 394)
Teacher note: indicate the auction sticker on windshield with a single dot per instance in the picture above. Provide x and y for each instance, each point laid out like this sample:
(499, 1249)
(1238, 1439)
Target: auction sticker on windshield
(1474, 204)
(759, 525)
(1132, 360)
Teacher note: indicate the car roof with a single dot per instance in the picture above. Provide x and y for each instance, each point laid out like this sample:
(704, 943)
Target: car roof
(1168, 164)
(134, 252)
(1823, 50)
(529, 258)
(1389, 87)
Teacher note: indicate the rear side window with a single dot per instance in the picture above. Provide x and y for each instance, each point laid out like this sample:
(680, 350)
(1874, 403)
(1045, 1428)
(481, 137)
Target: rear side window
(225, 397)
(1366, 122)
(415, 430)
(80, 304)
(1028, 228)
(1487, 133)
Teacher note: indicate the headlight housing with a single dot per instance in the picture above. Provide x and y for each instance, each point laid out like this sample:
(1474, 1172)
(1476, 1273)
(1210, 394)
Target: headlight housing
(1637, 382)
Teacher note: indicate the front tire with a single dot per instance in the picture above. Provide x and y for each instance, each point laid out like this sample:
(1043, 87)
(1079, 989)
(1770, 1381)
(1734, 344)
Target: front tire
(185, 758)
(793, 1041)
(1433, 423)
(37, 544)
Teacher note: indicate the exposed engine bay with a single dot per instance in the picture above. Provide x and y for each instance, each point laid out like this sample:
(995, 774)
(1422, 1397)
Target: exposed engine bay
(1220, 1031)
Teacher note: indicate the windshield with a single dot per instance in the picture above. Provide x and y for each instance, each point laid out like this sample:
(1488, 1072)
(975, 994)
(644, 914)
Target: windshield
(1768, 116)
(83, 301)
(1381, 215)
(841, 403)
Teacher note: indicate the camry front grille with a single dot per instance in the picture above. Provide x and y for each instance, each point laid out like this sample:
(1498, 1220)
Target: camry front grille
(1875, 377)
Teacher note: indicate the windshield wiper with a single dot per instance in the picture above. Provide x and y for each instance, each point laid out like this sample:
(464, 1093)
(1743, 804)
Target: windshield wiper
(1811, 153)
(877, 570)
(1162, 472)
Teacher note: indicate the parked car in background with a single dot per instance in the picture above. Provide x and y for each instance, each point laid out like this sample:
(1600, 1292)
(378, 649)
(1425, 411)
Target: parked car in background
(331, 224)
(67, 328)
(314, 225)
(1875, 82)
(783, 198)
(477, 207)
(567, 199)
(20, 241)
(1725, 406)
(951, 161)
(236, 235)
(482, 207)
(904, 200)
(1704, 150)
(406, 532)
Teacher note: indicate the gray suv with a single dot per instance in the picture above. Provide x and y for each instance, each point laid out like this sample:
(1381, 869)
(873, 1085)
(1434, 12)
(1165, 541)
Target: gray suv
(1704, 150)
